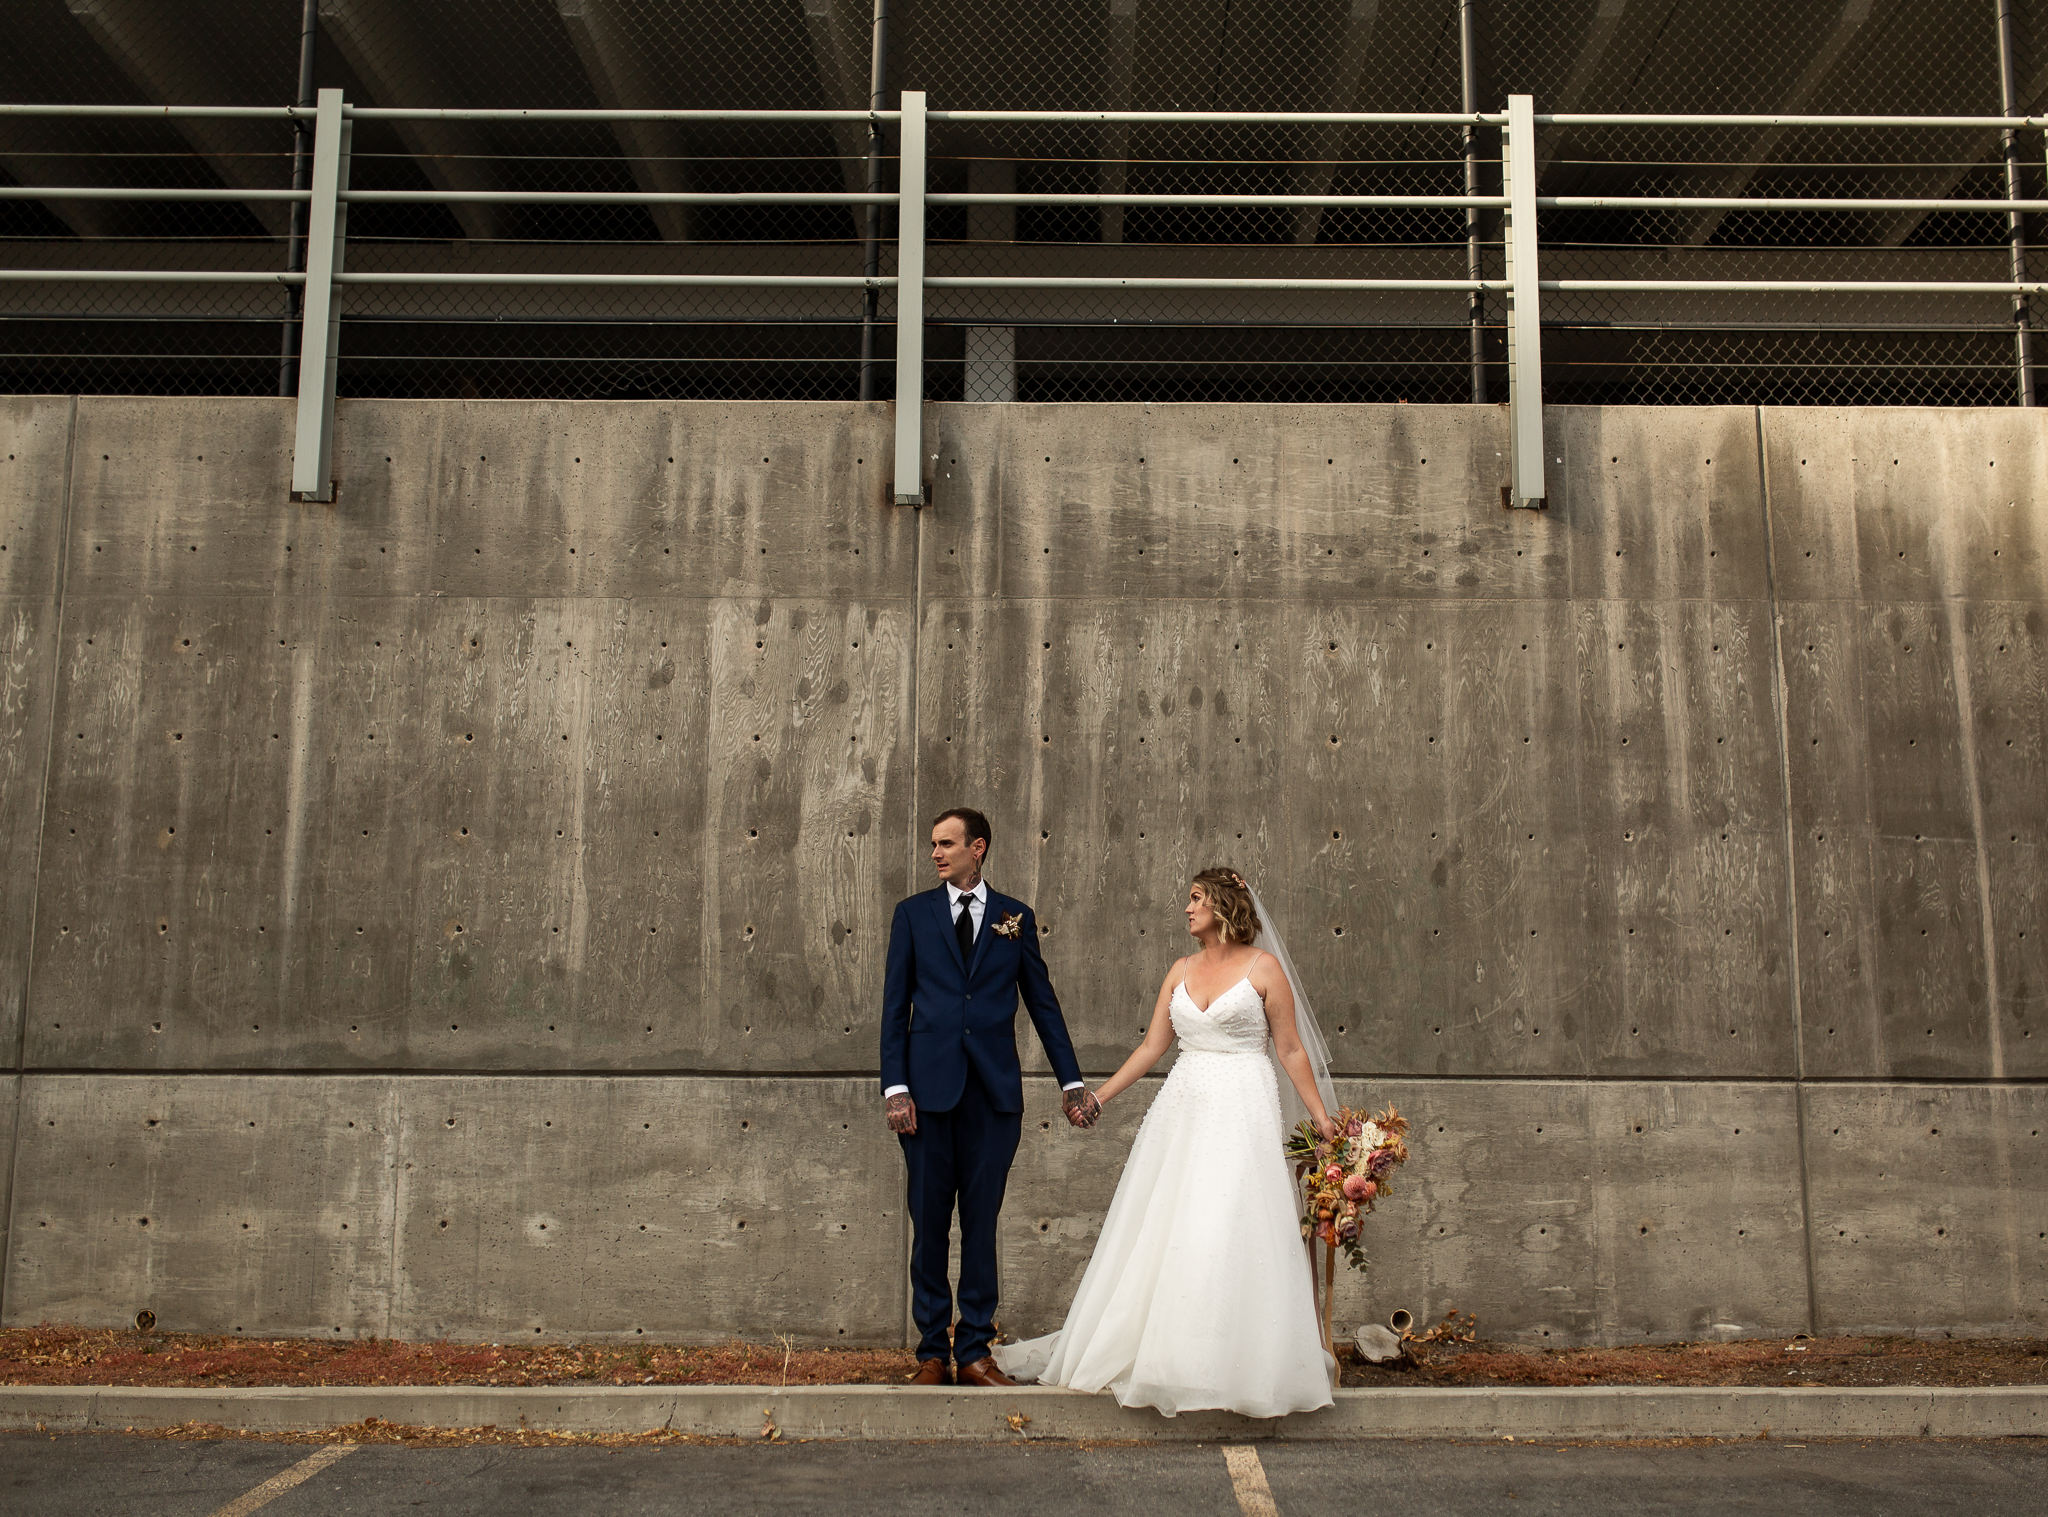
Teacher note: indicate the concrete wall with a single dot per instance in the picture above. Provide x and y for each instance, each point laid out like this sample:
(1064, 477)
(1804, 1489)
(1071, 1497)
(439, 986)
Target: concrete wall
(460, 910)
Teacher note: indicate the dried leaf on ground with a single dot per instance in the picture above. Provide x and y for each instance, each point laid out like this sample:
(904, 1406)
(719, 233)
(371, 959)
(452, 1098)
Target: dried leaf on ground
(58, 1355)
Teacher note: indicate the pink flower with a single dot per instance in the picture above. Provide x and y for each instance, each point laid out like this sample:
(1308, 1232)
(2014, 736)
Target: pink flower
(1353, 1128)
(1370, 1189)
(1381, 1161)
(1333, 1174)
(1357, 1188)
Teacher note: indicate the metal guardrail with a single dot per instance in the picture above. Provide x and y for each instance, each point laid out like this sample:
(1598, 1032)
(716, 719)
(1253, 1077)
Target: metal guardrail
(329, 196)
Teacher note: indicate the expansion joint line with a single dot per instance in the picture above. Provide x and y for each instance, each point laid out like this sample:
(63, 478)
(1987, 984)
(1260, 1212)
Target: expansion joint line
(28, 969)
(1778, 698)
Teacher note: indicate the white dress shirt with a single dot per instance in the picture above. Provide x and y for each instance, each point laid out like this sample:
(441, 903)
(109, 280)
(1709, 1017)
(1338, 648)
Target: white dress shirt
(977, 903)
(977, 908)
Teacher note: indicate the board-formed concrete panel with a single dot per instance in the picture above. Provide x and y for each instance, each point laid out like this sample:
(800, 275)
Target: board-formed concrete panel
(1501, 836)
(2007, 670)
(232, 822)
(642, 500)
(1567, 856)
(478, 498)
(1555, 1212)
(658, 833)
(484, 1207)
(682, 1209)
(1117, 748)
(473, 833)
(1658, 503)
(2006, 666)
(1238, 503)
(35, 441)
(1916, 503)
(1930, 1207)
(28, 658)
(192, 495)
(2018, 875)
(219, 1203)
(1908, 548)
(1885, 844)
(1339, 503)
(35, 458)
(10, 1096)
(466, 1207)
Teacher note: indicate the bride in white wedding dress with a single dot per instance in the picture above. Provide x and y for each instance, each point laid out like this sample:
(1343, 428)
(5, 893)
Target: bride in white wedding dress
(1198, 1294)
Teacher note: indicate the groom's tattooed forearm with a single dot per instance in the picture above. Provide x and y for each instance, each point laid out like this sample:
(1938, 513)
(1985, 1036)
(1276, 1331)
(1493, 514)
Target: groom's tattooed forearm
(902, 1114)
(1081, 1107)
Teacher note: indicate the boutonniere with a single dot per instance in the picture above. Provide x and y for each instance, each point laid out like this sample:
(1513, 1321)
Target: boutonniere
(1011, 924)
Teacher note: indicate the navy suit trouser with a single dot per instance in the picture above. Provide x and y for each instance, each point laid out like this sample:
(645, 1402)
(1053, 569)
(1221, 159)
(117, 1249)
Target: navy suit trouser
(958, 1157)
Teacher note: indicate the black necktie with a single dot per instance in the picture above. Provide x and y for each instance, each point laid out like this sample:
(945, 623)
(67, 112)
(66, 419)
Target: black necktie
(963, 929)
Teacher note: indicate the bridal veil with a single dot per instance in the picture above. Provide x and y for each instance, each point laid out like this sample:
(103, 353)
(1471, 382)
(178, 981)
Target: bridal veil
(1312, 1041)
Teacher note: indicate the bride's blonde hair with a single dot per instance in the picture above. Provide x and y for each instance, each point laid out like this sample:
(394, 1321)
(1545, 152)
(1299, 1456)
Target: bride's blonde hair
(1231, 899)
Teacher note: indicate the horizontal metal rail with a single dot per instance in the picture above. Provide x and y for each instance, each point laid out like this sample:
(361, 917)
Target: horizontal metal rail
(116, 192)
(1035, 282)
(603, 281)
(615, 197)
(149, 276)
(164, 112)
(855, 197)
(1774, 203)
(1806, 286)
(1449, 202)
(1972, 123)
(408, 113)
(1193, 118)
(1232, 118)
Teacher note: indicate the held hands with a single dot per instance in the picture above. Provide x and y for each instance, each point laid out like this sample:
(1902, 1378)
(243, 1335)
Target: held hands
(1081, 1107)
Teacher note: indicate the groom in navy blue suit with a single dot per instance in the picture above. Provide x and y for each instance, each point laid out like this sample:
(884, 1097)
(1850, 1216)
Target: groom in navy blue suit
(960, 957)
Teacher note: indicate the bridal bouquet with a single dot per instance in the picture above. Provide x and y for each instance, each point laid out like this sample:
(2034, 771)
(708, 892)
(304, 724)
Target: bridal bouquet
(1344, 1178)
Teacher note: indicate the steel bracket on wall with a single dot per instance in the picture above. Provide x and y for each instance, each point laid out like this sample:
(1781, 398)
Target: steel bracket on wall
(320, 325)
(909, 476)
(1525, 331)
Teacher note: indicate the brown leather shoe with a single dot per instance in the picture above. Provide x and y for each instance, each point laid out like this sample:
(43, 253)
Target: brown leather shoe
(983, 1372)
(931, 1372)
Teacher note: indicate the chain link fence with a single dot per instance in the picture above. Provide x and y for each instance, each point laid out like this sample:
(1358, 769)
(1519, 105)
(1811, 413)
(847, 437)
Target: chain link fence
(1934, 57)
(1187, 345)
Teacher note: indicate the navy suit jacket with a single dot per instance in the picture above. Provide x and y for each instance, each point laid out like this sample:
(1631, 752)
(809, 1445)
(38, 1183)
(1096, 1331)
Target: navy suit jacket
(941, 1016)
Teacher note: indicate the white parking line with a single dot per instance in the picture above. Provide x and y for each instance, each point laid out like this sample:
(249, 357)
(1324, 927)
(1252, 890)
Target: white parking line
(1248, 1481)
(307, 1468)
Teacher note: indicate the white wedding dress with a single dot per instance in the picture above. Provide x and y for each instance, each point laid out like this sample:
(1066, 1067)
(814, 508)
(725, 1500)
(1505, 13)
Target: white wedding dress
(1198, 1293)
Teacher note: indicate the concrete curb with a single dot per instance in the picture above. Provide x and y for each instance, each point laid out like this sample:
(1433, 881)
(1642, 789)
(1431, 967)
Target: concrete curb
(893, 1412)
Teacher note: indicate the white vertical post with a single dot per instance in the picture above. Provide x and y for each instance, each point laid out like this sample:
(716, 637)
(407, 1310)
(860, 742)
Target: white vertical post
(1525, 330)
(320, 332)
(910, 304)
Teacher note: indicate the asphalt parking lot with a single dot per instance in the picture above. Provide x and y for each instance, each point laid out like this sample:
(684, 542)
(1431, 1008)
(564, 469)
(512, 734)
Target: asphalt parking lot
(72, 1475)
